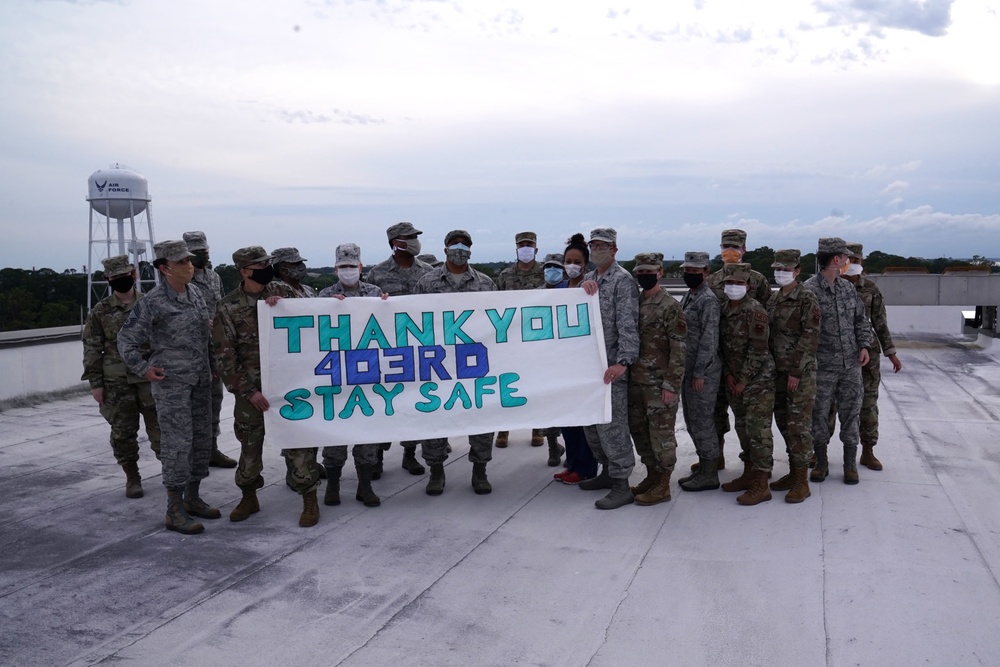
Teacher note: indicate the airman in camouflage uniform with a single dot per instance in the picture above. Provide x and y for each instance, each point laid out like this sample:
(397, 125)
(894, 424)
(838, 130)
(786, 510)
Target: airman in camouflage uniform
(733, 248)
(173, 321)
(795, 319)
(237, 347)
(398, 276)
(122, 395)
(618, 295)
(748, 372)
(844, 338)
(210, 284)
(290, 268)
(655, 379)
(702, 371)
(349, 268)
(455, 275)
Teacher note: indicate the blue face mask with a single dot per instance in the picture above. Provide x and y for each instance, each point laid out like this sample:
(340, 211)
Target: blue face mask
(553, 275)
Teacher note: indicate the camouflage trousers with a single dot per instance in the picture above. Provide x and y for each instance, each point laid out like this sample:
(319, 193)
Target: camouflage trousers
(305, 470)
(435, 450)
(185, 418)
(217, 394)
(871, 376)
(721, 414)
(248, 424)
(793, 412)
(651, 423)
(610, 442)
(123, 403)
(336, 456)
(698, 407)
(843, 387)
(754, 410)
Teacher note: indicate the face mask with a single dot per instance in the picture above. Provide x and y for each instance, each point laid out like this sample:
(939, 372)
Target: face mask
(731, 256)
(647, 281)
(294, 272)
(573, 270)
(526, 254)
(693, 280)
(854, 269)
(412, 247)
(349, 275)
(200, 259)
(122, 284)
(784, 277)
(601, 256)
(553, 275)
(459, 254)
(736, 292)
(263, 276)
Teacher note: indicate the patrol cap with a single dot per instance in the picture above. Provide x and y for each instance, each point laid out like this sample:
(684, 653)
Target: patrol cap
(526, 236)
(553, 259)
(348, 254)
(430, 259)
(286, 256)
(734, 237)
(457, 232)
(116, 266)
(172, 251)
(401, 229)
(786, 259)
(648, 261)
(695, 260)
(856, 251)
(196, 241)
(832, 245)
(739, 271)
(606, 234)
(250, 255)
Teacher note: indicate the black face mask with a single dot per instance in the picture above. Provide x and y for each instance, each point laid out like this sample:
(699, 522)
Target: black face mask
(263, 276)
(200, 259)
(694, 280)
(122, 284)
(647, 281)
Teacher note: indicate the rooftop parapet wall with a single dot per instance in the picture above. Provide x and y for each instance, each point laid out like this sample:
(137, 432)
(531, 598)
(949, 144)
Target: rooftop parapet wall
(939, 290)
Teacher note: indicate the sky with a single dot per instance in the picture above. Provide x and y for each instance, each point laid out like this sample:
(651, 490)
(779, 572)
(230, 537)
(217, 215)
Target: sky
(311, 123)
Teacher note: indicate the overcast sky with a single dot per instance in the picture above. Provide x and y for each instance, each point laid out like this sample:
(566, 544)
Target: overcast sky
(312, 123)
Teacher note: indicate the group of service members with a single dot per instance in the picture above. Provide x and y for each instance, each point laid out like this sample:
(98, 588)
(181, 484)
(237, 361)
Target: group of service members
(796, 354)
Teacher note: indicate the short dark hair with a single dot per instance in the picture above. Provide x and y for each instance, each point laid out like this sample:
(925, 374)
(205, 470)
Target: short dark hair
(157, 263)
(823, 259)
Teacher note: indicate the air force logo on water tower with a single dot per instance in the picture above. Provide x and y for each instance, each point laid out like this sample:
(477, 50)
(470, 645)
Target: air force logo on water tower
(100, 186)
(112, 187)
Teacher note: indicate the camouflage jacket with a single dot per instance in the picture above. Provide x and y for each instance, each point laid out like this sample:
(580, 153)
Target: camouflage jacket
(618, 295)
(758, 288)
(702, 312)
(210, 284)
(101, 360)
(361, 289)
(437, 281)
(662, 339)
(306, 292)
(236, 340)
(844, 327)
(871, 296)
(175, 326)
(795, 321)
(394, 279)
(514, 278)
(743, 337)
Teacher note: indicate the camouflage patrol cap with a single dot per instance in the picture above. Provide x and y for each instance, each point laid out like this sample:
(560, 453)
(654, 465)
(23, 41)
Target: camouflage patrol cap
(116, 266)
(734, 237)
(832, 245)
(348, 254)
(250, 255)
(856, 251)
(606, 234)
(695, 260)
(648, 261)
(286, 256)
(553, 259)
(738, 271)
(457, 232)
(526, 236)
(172, 251)
(786, 259)
(401, 229)
(430, 259)
(196, 241)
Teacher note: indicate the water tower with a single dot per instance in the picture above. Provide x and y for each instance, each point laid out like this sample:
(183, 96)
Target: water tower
(118, 196)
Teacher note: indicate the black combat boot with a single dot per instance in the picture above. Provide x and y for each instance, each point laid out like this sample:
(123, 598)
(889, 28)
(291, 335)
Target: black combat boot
(332, 495)
(195, 506)
(365, 493)
(480, 484)
(177, 517)
(619, 496)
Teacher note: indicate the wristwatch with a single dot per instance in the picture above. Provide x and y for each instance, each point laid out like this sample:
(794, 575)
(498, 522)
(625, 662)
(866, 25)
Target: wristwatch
(622, 362)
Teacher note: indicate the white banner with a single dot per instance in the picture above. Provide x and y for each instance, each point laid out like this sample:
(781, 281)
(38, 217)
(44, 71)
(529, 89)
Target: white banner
(434, 365)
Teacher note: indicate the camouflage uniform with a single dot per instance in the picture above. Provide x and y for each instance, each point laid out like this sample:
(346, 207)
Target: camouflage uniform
(871, 373)
(290, 256)
(747, 357)
(126, 395)
(702, 313)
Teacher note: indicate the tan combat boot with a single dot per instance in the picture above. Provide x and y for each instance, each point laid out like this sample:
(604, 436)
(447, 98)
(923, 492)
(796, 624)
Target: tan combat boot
(310, 510)
(133, 481)
(658, 493)
(741, 483)
(800, 485)
(177, 517)
(501, 440)
(652, 477)
(537, 437)
(757, 492)
(784, 483)
(868, 459)
(248, 504)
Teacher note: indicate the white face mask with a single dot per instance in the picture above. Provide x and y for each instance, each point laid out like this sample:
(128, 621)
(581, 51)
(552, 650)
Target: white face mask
(526, 254)
(735, 292)
(573, 270)
(784, 277)
(349, 275)
(854, 269)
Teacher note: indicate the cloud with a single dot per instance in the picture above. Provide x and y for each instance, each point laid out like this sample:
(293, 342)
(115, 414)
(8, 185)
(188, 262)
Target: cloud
(895, 188)
(928, 17)
(737, 35)
(335, 116)
(882, 170)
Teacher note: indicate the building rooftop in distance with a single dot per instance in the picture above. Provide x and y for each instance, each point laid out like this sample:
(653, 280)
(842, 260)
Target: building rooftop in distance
(899, 570)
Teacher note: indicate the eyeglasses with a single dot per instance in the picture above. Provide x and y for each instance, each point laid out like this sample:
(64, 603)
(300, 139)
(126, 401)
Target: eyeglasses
(599, 245)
